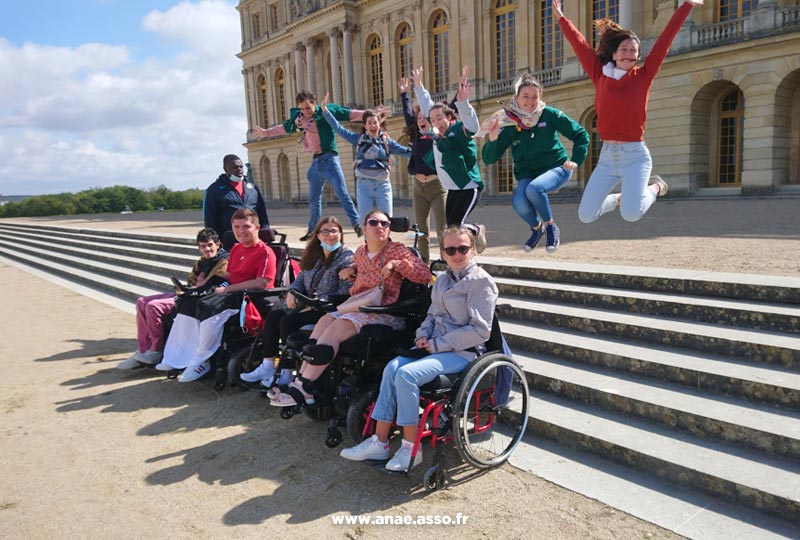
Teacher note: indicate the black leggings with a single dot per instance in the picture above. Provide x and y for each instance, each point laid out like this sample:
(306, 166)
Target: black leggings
(460, 203)
(280, 324)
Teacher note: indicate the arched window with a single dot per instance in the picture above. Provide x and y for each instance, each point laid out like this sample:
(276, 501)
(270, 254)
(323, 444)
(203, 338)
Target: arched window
(730, 10)
(375, 49)
(551, 42)
(504, 174)
(504, 31)
(731, 128)
(261, 83)
(439, 52)
(405, 53)
(280, 93)
(285, 181)
(603, 9)
(266, 178)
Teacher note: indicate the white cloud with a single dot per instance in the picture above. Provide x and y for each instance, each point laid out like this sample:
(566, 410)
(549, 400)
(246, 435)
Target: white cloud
(78, 117)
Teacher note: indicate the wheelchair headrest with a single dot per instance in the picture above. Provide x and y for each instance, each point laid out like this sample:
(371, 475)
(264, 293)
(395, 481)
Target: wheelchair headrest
(400, 224)
(265, 235)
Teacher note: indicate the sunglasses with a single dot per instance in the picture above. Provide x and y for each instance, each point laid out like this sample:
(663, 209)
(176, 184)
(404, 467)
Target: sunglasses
(452, 250)
(328, 232)
(378, 222)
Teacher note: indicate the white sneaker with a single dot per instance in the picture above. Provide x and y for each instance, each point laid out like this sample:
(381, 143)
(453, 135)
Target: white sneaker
(163, 366)
(399, 462)
(192, 373)
(480, 238)
(132, 362)
(370, 448)
(150, 357)
(264, 372)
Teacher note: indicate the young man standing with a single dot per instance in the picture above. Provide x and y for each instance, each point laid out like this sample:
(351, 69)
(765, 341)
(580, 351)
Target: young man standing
(195, 337)
(231, 191)
(318, 138)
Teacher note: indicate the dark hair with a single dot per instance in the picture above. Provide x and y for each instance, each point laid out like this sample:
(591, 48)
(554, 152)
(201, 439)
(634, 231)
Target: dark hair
(609, 37)
(369, 113)
(230, 158)
(303, 96)
(207, 235)
(525, 80)
(446, 109)
(245, 213)
(314, 251)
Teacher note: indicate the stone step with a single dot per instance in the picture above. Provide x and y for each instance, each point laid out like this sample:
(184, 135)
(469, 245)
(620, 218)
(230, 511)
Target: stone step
(738, 313)
(766, 347)
(758, 383)
(165, 238)
(755, 426)
(773, 289)
(157, 279)
(115, 287)
(751, 479)
(104, 243)
(138, 258)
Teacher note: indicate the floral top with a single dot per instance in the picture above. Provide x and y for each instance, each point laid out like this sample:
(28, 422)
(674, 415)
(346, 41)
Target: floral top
(407, 265)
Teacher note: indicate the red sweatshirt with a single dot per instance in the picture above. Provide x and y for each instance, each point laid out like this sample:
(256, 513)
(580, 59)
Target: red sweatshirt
(621, 105)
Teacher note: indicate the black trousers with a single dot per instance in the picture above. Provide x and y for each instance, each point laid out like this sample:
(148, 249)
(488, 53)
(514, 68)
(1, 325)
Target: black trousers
(460, 202)
(280, 324)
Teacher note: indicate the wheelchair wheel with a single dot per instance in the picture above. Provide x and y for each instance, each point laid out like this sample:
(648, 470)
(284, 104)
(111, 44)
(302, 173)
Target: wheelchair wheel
(357, 414)
(490, 412)
(238, 363)
(435, 478)
(220, 382)
(334, 438)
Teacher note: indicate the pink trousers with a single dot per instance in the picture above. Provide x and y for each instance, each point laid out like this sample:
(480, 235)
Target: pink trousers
(150, 311)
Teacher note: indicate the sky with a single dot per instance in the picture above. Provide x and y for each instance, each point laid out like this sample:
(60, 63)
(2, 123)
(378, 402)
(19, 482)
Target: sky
(97, 93)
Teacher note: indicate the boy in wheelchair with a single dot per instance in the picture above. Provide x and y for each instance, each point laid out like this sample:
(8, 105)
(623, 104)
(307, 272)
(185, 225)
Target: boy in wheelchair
(208, 271)
(453, 334)
(380, 265)
(196, 336)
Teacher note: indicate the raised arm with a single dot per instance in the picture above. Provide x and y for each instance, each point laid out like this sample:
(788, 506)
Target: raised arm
(469, 118)
(657, 55)
(424, 98)
(408, 110)
(343, 132)
(585, 53)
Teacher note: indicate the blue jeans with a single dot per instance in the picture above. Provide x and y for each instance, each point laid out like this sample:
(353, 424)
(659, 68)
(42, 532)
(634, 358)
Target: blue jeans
(327, 167)
(530, 198)
(402, 377)
(377, 192)
(629, 163)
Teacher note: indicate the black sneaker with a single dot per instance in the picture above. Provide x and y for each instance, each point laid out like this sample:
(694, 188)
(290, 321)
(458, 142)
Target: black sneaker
(305, 237)
(359, 230)
(536, 235)
(553, 237)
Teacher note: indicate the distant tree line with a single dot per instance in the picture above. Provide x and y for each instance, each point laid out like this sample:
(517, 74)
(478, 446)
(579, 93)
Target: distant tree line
(103, 200)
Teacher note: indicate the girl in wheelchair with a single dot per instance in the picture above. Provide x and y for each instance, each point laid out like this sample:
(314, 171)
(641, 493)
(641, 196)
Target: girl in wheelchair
(377, 263)
(457, 326)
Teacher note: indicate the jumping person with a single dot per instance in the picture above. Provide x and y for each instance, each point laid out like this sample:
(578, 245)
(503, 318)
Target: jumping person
(541, 163)
(318, 138)
(621, 93)
(455, 153)
(373, 146)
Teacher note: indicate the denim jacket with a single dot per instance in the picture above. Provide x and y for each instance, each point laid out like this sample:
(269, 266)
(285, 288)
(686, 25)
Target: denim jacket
(330, 282)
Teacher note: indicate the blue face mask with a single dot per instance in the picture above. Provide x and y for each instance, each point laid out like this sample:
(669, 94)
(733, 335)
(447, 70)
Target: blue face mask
(330, 247)
(235, 178)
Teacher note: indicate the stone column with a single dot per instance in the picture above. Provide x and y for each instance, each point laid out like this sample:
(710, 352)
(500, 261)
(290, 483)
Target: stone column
(347, 57)
(336, 91)
(626, 13)
(311, 73)
(298, 66)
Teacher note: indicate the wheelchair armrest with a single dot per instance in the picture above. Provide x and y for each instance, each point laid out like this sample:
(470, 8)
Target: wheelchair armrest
(401, 307)
(325, 304)
(260, 293)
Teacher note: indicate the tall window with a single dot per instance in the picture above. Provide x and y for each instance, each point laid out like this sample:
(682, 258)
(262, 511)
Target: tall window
(551, 42)
(405, 53)
(603, 9)
(439, 52)
(273, 17)
(504, 174)
(256, 25)
(261, 82)
(280, 93)
(504, 31)
(731, 127)
(730, 10)
(375, 49)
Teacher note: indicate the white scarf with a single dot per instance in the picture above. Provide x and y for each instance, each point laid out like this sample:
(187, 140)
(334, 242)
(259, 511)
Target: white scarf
(611, 70)
(529, 119)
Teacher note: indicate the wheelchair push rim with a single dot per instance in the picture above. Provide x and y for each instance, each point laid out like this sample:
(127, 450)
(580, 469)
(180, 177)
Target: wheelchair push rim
(487, 426)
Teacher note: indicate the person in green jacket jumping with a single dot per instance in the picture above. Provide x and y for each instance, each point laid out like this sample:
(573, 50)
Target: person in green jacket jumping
(541, 163)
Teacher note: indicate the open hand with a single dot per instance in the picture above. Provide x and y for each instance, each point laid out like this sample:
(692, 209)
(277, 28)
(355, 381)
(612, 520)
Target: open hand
(463, 85)
(557, 9)
(402, 84)
(324, 103)
(416, 76)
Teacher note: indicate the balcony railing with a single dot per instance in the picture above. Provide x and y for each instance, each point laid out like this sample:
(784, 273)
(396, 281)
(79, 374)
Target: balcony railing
(790, 16)
(719, 33)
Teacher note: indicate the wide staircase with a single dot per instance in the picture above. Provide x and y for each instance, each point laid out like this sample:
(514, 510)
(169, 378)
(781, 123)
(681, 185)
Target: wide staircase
(672, 395)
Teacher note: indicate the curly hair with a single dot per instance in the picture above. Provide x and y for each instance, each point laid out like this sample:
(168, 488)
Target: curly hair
(525, 80)
(609, 37)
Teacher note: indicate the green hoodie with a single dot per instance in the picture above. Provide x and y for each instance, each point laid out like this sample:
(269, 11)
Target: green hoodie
(327, 138)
